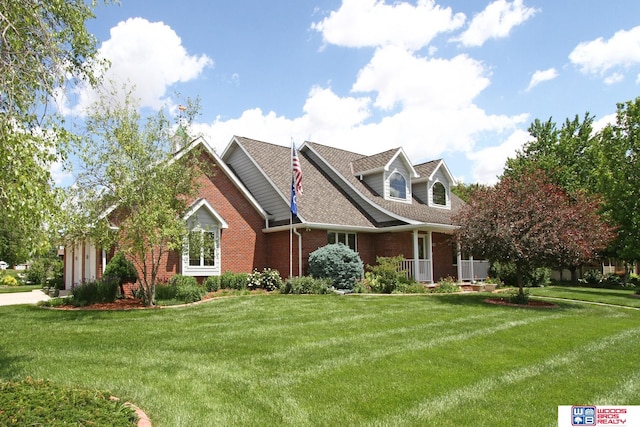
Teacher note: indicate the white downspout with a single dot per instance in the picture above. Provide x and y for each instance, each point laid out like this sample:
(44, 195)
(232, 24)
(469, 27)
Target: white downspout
(430, 254)
(295, 230)
(415, 256)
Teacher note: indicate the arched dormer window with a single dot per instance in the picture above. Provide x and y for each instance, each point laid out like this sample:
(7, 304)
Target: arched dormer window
(439, 194)
(397, 186)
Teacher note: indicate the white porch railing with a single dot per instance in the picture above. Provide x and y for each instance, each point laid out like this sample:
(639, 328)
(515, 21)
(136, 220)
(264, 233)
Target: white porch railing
(474, 270)
(424, 269)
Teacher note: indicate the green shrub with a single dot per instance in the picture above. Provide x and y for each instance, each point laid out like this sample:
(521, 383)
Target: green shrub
(411, 288)
(506, 272)
(166, 291)
(187, 289)
(94, 292)
(592, 277)
(212, 283)
(8, 280)
(267, 279)
(384, 277)
(446, 286)
(190, 292)
(338, 263)
(611, 280)
(306, 285)
(53, 302)
(230, 280)
(36, 274)
(121, 270)
(180, 280)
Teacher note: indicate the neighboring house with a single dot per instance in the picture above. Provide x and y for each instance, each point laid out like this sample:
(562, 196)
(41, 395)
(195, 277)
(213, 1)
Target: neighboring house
(380, 205)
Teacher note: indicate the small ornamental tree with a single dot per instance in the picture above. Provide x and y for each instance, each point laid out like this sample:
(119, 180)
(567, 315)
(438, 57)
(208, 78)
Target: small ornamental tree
(531, 222)
(132, 192)
(338, 263)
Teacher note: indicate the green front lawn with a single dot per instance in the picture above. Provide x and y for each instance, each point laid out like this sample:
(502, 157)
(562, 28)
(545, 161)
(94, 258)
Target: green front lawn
(623, 297)
(437, 360)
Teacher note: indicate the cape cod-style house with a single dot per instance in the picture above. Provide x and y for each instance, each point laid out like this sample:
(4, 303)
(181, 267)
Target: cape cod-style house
(379, 205)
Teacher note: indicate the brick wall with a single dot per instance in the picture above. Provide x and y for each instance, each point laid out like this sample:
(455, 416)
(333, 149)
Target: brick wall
(443, 256)
(243, 245)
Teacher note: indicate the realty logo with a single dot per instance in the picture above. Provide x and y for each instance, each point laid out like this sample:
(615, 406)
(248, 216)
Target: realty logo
(583, 415)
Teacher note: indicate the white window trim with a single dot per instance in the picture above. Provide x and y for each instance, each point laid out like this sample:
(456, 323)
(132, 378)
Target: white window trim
(447, 196)
(407, 188)
(201, 270)
(209, 270)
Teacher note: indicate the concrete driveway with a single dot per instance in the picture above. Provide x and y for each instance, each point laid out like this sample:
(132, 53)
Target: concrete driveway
(23, 297)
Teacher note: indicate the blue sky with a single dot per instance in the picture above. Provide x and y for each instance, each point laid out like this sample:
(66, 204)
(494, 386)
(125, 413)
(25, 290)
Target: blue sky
(459, 80)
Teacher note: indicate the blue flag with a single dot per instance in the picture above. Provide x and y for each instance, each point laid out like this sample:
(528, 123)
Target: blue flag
(294, 204)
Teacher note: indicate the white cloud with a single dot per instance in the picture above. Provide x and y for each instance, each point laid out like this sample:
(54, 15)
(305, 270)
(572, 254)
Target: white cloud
(599, 56)
(373, 23)
(495, 21)
(613, 78)
(542, 76)
(146, 55)
(601, 123)
(401, 77)
(489, 162)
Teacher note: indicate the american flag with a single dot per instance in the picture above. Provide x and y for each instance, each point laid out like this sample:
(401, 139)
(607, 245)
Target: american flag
(296, 170)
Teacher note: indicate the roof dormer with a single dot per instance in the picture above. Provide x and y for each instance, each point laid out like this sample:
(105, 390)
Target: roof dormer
(433, 187)
(389, 174)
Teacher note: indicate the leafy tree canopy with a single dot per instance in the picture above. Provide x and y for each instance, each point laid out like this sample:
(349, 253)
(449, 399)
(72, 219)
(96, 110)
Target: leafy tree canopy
(618, 177)
(42, 43)
(132, 191)
(532, 222)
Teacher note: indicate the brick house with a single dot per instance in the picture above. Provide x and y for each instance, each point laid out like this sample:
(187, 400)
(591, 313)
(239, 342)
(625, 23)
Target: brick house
(380, 205)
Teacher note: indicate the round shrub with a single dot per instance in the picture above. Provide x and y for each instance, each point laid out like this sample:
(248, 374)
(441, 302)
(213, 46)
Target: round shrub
(121, 270)
(212, 283)
(187, 288)
(268, 280)
(231, 280)
(8, 280)
(37, 273)
(338, 263)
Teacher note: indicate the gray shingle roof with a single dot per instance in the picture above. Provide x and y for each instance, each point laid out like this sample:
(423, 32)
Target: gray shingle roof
(324, 202)
(367, 163)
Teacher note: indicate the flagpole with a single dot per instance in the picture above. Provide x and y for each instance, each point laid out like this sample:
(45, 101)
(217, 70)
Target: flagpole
(291, 214)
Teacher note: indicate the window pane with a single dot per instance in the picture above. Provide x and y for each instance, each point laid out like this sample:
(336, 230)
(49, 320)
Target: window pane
(194, 248)
(331, 237)
(209, 249)
(439, 194)
(397, 186)
(351, 241)
(342, 238)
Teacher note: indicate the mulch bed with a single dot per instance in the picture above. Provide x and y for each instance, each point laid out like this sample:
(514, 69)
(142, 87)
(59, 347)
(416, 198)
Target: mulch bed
(530, 304)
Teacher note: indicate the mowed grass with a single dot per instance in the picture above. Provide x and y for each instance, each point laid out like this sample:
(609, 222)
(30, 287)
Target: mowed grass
(447, 360)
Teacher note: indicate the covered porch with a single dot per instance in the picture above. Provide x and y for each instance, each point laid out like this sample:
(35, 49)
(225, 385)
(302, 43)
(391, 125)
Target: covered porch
(422, 265)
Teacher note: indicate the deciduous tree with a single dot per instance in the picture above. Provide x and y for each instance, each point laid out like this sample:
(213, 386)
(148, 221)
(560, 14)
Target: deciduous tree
(132, 191)
(532, 222)
(618, 175)
(42, 43)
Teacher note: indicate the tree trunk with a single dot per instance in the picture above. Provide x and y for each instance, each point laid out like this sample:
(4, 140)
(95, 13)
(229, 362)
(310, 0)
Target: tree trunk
(574, 274)
(520, 281)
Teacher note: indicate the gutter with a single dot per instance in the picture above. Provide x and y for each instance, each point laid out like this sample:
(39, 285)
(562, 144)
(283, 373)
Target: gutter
(442, 228)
